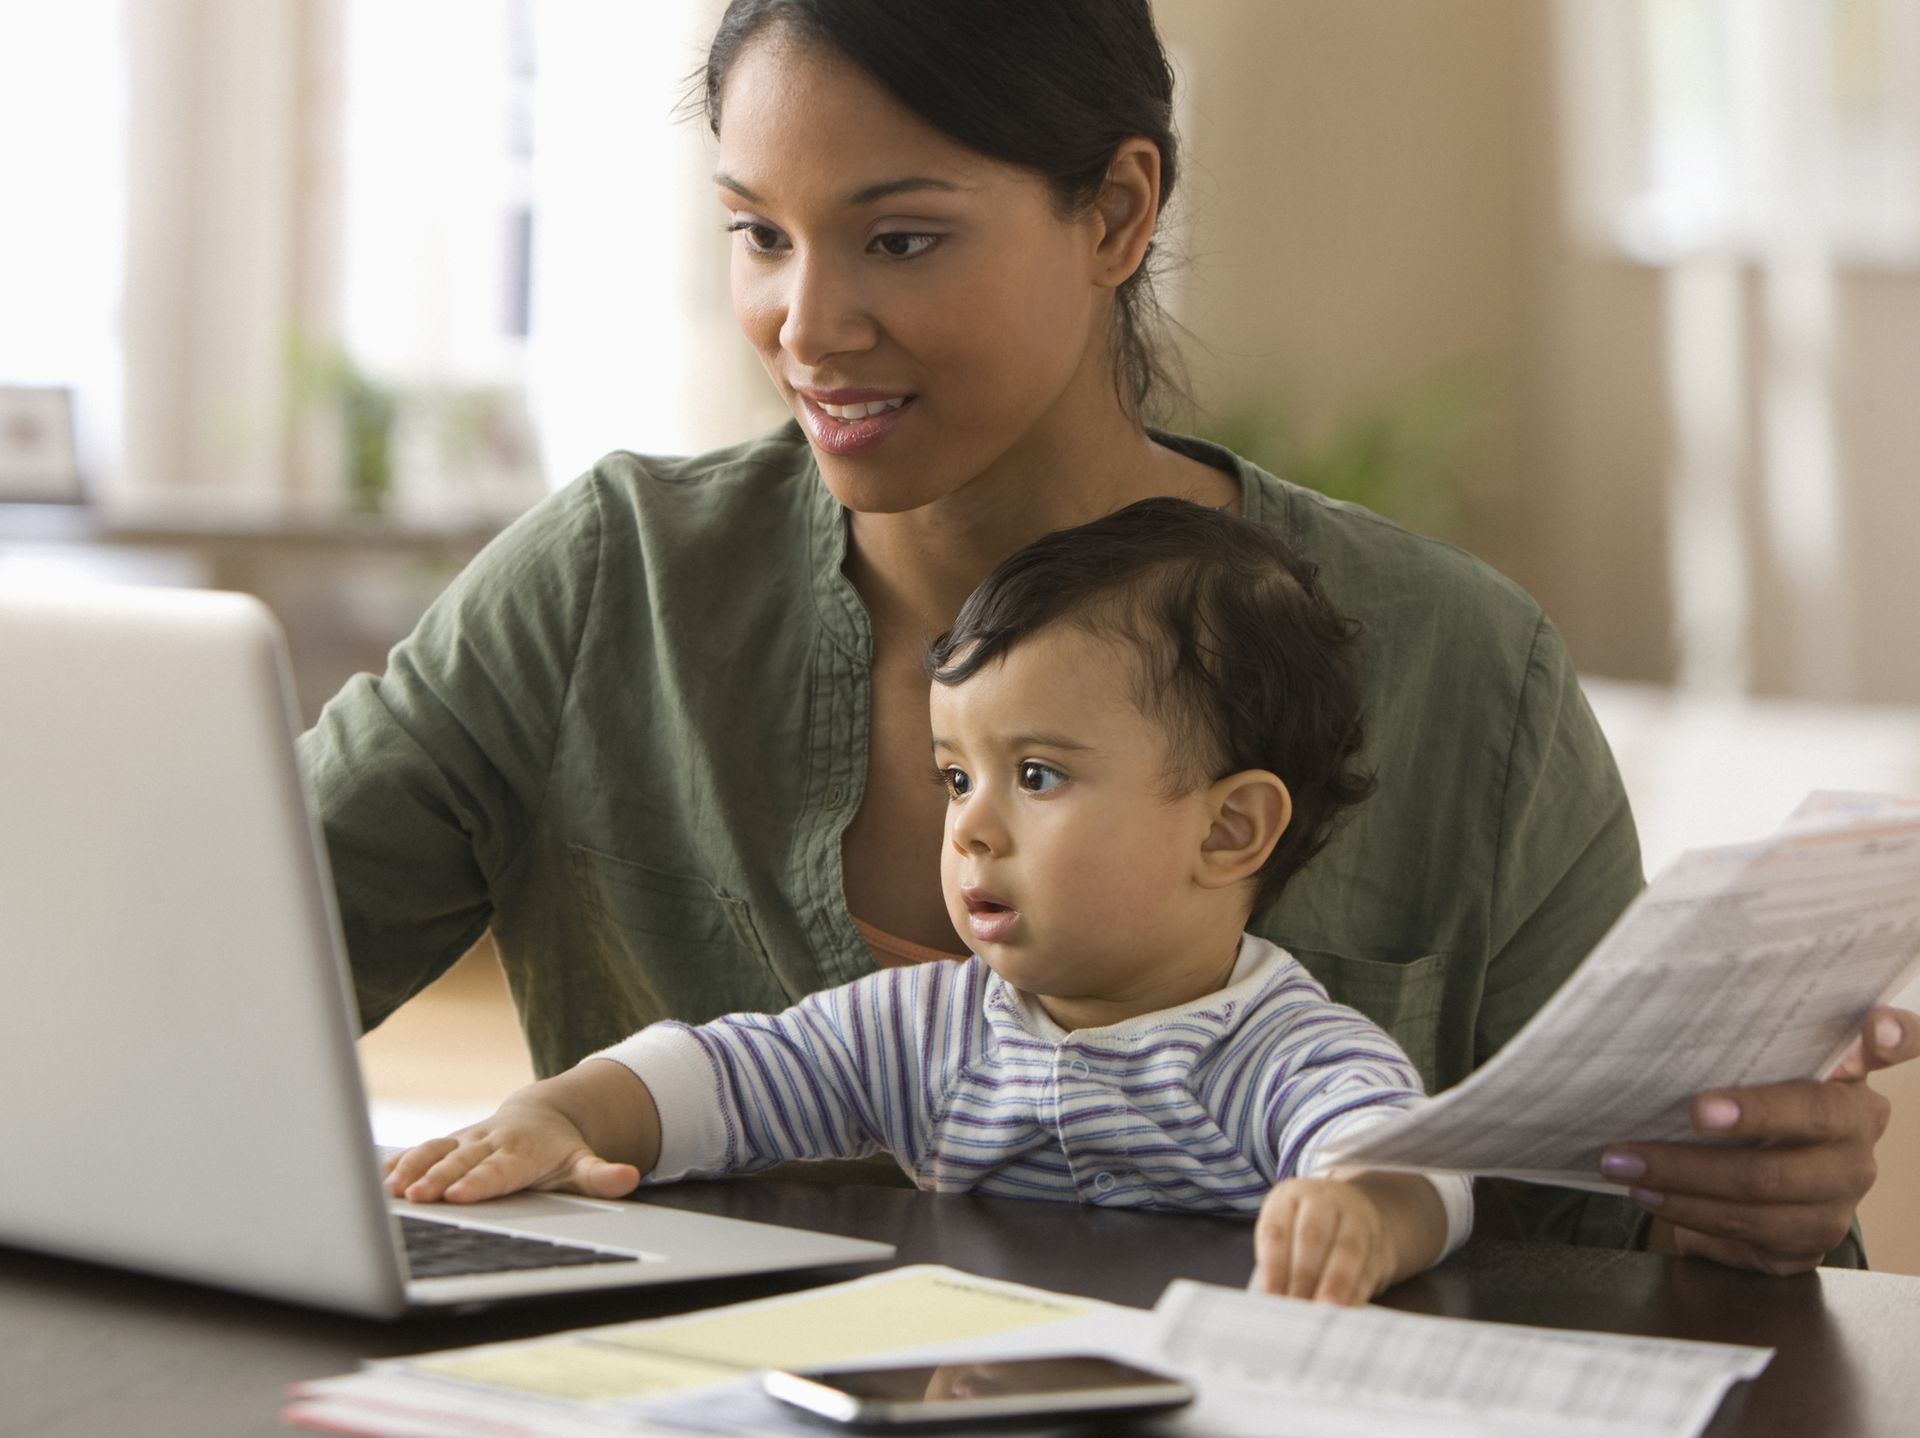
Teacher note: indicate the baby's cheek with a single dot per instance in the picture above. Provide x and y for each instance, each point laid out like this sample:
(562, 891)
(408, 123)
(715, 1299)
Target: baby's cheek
(950, 881)
(1116, 885)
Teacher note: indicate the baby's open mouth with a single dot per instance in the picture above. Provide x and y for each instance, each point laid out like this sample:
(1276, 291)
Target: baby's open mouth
(979, 901)
(990, 918)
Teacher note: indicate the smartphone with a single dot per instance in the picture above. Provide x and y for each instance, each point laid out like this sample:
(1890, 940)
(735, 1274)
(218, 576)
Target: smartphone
(926, 1395)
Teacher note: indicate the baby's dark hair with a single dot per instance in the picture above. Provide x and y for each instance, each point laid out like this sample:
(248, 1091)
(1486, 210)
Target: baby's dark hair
(1243, 661)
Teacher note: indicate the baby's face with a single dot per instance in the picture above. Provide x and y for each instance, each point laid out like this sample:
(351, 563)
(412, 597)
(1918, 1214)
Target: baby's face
(1065, 867)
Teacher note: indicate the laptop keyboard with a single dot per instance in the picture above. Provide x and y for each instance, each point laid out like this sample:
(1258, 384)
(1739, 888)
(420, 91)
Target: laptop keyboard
(442, 1250)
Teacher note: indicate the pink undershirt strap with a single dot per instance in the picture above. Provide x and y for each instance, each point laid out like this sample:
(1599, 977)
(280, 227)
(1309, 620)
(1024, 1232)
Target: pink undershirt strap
(890, 952)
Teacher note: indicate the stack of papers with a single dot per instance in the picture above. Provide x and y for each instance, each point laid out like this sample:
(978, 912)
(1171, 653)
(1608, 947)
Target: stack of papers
(1266, 1367)
(1263, 1367)
(700, 1372)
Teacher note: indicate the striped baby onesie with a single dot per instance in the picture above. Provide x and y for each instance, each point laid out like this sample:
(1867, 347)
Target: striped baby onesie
(969, 1084)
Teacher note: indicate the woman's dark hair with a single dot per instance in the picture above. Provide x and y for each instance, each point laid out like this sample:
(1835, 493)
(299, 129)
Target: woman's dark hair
(1243, 661)
(1051, 85)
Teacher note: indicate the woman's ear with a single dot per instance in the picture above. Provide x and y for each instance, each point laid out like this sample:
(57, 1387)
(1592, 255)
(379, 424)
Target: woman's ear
(1249, 812)
(1127, 207)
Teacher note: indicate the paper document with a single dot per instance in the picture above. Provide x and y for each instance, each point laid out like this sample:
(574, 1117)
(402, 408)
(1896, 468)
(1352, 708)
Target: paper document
(1738, 966)
(1828, 808)
(700, 1372)
(1276, 1368)
(1271, 1367)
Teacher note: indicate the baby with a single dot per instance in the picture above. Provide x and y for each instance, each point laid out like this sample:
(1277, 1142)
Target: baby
(1144, 726)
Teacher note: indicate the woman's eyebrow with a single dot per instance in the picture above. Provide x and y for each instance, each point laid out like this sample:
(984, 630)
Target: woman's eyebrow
(884, 190)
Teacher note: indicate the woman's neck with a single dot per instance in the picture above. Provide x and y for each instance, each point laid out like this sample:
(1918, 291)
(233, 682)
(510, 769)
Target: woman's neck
(914, 569)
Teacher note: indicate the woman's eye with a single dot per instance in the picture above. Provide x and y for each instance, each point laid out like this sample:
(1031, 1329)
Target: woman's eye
(955, 781)
(1038, 778)
(904, 246)
(760, 239)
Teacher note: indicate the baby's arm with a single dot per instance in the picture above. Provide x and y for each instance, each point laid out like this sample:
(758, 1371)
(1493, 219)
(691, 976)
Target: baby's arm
(1344, 1237)
(834, 1076)
(1343, 1240)
(593, 1129)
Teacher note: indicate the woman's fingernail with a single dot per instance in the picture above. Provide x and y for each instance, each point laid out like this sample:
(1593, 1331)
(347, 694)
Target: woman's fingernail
(1718, 1113)
(1646, 1198)
(1886, 1033)
(1622, 1165)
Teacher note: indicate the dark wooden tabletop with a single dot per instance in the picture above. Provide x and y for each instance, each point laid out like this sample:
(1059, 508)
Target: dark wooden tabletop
(91, 1353)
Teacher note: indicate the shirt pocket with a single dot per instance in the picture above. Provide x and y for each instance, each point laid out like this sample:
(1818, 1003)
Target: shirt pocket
(1406, 997)
(673, 945)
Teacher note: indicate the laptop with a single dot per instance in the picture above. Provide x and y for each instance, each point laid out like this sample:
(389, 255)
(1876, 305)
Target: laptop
(179, 1089)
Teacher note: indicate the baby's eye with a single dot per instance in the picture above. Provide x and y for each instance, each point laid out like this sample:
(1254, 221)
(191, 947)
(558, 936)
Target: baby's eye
(954, 780)
(901, 245)
(1038, 778)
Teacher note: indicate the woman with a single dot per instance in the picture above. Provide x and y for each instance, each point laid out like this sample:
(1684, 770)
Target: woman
(668, 736)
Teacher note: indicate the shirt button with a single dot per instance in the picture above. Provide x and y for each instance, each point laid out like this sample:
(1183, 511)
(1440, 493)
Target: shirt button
(1079, 1067)
(1103, 1181)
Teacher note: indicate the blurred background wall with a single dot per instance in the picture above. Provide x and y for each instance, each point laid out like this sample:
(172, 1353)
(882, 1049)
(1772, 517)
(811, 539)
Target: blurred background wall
(1622, 295)
(1675, 245)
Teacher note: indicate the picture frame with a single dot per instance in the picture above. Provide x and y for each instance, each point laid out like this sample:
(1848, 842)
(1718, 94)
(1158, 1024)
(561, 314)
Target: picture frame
(38, 463)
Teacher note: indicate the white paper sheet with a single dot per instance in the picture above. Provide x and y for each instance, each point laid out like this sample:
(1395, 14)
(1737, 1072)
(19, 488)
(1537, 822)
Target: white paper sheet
(1262, 1366)
(1741, 965)
(699, 1372)
(1281, 1368)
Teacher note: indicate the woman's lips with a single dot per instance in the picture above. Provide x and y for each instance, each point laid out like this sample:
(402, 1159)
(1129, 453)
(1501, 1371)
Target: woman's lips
(849, 436)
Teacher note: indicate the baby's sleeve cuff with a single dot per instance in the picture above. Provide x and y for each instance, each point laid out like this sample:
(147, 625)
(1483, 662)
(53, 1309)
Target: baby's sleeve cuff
(1456, 1197)
(695, 1132)
(1454, 1190)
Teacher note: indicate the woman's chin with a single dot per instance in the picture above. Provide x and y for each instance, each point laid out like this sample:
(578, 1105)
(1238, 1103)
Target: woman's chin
(867, 486)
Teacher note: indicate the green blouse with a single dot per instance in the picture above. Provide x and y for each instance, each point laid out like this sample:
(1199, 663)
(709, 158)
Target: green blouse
(629, 736)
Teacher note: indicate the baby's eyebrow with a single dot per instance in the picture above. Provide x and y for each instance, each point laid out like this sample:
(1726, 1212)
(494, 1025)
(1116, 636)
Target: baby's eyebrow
(1026, 741)
(1045, 741)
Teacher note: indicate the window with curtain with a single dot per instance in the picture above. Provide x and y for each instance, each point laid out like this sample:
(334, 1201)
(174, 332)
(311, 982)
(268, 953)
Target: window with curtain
(63, 173)
(1763, 155)
(424, 256)
(1696, 124)
(529, 271)
(437, 224)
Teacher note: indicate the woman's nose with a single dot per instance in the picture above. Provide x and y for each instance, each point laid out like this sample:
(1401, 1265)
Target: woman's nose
(824, 313)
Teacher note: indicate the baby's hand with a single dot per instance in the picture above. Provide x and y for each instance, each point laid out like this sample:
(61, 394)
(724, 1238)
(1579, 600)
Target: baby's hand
(1323, 1239)
(526, 1144)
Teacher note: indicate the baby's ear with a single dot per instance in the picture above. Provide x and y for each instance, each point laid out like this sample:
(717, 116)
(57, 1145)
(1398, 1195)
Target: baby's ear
(1249, 811)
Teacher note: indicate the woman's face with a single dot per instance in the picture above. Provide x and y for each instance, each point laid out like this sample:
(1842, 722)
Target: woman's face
(925, 312)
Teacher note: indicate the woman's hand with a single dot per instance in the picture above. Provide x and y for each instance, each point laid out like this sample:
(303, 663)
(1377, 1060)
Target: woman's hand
(1342, 1240)
(593, 1130)
(1781, 1206)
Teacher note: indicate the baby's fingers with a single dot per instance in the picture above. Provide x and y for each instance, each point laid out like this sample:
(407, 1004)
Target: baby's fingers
(1344, 1273)
(406, 1169)
(1316, 1226)
(476, 1172)
(460, 1170)
(1273, 1239)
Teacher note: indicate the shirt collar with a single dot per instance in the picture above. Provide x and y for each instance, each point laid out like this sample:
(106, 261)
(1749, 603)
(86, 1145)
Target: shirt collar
(1258, 966)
